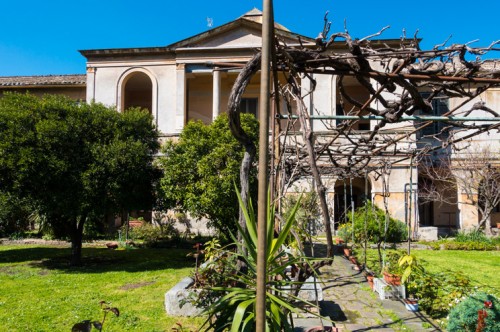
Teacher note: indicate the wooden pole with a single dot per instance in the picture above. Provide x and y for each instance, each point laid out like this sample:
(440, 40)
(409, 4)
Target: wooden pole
(264, 106)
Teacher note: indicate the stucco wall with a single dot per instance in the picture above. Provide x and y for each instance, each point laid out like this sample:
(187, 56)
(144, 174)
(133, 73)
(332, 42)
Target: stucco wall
(164, 77)
(76, 93)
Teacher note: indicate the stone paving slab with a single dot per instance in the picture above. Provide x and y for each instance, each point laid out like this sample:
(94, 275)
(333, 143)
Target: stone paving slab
(353, 306)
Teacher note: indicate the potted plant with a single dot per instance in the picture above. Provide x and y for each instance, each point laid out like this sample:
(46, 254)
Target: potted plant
(135, 222)
(323, 329)
(392, 271)
(411, 267)
(353, 259)
(369, 279)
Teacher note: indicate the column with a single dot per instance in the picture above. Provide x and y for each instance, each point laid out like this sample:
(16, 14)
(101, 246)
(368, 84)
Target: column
(91, 71)
(180, 109)
(216, 93)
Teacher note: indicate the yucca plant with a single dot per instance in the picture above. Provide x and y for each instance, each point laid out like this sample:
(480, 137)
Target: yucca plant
(234, 310)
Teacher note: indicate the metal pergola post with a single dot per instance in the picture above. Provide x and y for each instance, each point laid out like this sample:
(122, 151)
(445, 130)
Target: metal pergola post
(403, 118)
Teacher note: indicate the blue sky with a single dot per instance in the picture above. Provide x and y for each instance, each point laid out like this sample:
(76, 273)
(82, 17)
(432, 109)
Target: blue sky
(43, 37)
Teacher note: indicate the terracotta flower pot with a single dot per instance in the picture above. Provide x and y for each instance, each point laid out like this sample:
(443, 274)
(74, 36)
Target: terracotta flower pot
(135, 223)
(392, 279)
(369, 279)
(323, 329)
(353, 260)
(347, 252)
(339, 241)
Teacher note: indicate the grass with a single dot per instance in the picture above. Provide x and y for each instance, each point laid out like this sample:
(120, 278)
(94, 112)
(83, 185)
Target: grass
(40, 292)
(482, 267)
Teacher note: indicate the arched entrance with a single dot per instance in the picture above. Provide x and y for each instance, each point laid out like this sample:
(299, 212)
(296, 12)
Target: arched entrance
(344, 201)
(137, 91)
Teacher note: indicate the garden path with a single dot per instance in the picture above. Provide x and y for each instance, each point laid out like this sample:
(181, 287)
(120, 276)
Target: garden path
(352, 306)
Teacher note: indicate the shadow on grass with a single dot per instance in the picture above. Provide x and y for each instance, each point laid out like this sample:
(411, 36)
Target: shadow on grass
(98, 260)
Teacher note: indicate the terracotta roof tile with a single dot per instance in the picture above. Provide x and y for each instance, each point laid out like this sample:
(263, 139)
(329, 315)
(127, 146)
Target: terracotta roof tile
(48, 80)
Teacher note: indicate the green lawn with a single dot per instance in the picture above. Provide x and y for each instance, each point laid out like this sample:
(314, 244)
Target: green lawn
(482, 267)
(39, 292)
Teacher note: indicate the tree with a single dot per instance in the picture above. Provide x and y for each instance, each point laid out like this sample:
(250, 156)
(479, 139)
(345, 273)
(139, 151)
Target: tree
(75, 162)
(474, 172)
(200, 171)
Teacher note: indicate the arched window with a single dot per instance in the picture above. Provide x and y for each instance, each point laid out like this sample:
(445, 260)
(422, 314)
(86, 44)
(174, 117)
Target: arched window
(137, 92)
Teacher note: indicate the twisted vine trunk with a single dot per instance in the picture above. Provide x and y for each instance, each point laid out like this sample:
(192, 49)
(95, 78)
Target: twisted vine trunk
(237, 91)
(308, 137)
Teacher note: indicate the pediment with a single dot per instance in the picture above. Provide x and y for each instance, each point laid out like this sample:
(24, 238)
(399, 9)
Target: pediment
(240, 37)
(241, 33)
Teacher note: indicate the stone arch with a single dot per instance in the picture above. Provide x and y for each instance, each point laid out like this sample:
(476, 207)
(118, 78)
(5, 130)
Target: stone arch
(138, 87)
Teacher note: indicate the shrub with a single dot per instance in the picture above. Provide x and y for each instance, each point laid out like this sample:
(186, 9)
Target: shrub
(14, 215)
(439, 292)
(379, 229)
(148, 233)
(376, 230)
(345, 232)
(475, 235)
(467, 246)
(463, 242)
(464, 316)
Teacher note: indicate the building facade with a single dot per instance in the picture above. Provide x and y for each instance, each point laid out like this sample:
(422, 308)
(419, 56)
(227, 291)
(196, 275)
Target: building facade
(192, 80)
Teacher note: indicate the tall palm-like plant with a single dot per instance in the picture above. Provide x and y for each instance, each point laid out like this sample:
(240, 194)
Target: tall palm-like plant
(234, 310)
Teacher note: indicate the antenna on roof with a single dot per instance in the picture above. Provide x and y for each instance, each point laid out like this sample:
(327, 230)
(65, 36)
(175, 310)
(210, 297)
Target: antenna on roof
(210, 22)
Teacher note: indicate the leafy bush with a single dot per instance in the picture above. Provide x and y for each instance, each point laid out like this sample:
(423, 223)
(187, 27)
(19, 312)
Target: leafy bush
(463, 241)
(146, 232)
(467, 246)
(464, 316)
(439, 292)
(345, 232)
(379, 229)
(307, 217)
(200, 169)
(14, 215)
(376, 231)
(475, 235)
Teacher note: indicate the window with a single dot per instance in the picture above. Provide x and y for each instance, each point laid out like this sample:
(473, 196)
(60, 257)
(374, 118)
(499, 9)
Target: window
(249, 105)
(339, 111)
(439, 107)
(364, 125)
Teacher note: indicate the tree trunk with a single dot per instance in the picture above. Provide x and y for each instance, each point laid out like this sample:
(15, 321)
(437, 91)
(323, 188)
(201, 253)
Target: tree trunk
(76, 243)
(486, 223)
(486, 218)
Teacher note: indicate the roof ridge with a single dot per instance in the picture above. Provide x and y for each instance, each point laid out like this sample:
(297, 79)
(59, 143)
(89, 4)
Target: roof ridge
(253, 12)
